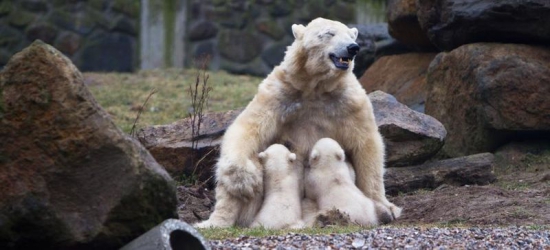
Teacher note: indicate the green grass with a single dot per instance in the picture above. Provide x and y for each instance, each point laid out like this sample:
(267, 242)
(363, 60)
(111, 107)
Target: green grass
(121, 94)
(233, 232)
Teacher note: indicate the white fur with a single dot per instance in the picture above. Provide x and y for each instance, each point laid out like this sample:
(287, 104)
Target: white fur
(304, 99)
(281, 207)
(329, 182)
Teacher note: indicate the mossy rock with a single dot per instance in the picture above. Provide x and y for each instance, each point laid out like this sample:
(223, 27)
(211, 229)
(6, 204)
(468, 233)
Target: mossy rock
(20, 18)
(344, 12)
(82, 24)
(270, 28)
(128, 7)
(229, 18)
(313, 9)
(100, 5)
(239, 46)
(10, 38)
(281, 8)
(5, 7)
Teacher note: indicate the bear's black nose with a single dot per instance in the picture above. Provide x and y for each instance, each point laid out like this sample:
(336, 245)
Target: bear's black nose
(353, 49)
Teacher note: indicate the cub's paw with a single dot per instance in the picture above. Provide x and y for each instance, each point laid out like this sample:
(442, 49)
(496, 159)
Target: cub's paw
(244, 181)
(204, 224)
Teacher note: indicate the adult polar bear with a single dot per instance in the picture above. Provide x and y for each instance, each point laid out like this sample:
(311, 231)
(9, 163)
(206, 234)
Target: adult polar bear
(312, 94)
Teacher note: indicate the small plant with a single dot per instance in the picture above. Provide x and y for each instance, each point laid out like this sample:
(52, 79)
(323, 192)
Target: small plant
(133, 130)
(199, 94)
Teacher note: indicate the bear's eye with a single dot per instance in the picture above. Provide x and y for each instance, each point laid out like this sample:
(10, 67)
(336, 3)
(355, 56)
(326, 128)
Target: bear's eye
(327, 34)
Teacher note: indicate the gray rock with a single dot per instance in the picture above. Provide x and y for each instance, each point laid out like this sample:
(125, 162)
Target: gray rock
(108, 52)
(172, 145)
(43, 31)
(204, 49)
(10, 38)
(125, 25)
(486, 94)
(239, 46)
(468, 170)
(274, 54)
(35, 5)
(68, 42)
(256, 67)
(452, 23)
(270, 28)
(202, 31)
(69, 178)
(410, 137)
(83, 23)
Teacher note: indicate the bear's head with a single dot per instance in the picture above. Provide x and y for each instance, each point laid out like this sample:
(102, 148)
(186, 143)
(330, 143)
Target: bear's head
(276, 158)
(325, 152)
(326, 45)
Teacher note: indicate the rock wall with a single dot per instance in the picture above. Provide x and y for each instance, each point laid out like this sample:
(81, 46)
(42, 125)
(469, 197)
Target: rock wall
(250, 37)
(97, 35)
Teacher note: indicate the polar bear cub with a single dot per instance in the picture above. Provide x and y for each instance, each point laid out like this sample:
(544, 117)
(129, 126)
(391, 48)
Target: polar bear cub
(330, 183)
(281, 207)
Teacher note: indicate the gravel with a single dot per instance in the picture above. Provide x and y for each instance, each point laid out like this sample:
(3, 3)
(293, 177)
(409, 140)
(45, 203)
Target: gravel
(400, 238)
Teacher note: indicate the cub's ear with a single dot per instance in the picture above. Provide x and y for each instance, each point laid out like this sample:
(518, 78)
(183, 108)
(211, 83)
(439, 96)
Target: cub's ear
(262, 156)
(354, 33)
(292, 157)
(340, 155)
(314, 155)
(298, 31)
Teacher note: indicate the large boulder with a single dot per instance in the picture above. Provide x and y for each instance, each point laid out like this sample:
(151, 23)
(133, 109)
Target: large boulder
(485, 94)
(452, 23)
(69, 178)
(403, 76)
(403, 23)
(176, 148)
(468, 170)
(411, 137)
(375, 42)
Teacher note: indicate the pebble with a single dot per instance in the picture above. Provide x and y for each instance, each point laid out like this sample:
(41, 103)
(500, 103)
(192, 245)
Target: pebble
(399, 238)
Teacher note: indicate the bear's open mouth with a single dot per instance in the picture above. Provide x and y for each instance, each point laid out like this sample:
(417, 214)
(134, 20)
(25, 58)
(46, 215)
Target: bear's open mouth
(340, 62)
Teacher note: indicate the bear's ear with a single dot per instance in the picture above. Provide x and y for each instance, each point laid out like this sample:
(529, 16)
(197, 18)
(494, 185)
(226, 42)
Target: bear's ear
(298, 31)
(340, 155)
(354, 33)
(292, 157)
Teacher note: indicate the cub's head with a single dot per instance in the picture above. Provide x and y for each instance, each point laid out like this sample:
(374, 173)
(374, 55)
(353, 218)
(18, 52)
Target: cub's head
(325, 153)
(328, 45)
(277, 157)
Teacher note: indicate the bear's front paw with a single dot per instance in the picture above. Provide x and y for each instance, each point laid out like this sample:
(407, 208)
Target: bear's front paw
(395, 210)
(244, 181)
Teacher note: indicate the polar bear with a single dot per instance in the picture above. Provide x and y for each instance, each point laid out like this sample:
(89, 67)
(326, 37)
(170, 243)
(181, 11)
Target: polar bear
(310, 210)
(312, 94)
(330, 184)
(281, 207)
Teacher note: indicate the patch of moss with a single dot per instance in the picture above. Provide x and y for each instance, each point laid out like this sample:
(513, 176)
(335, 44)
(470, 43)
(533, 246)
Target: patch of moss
(97, 4)
(128, 7)
(5, 7)
(20, 18)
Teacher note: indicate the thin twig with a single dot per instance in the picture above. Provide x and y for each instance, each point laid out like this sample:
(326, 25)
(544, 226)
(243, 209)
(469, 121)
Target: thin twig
(132, 131)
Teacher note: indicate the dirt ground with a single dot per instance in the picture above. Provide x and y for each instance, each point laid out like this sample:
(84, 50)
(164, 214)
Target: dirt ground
(520, 196)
